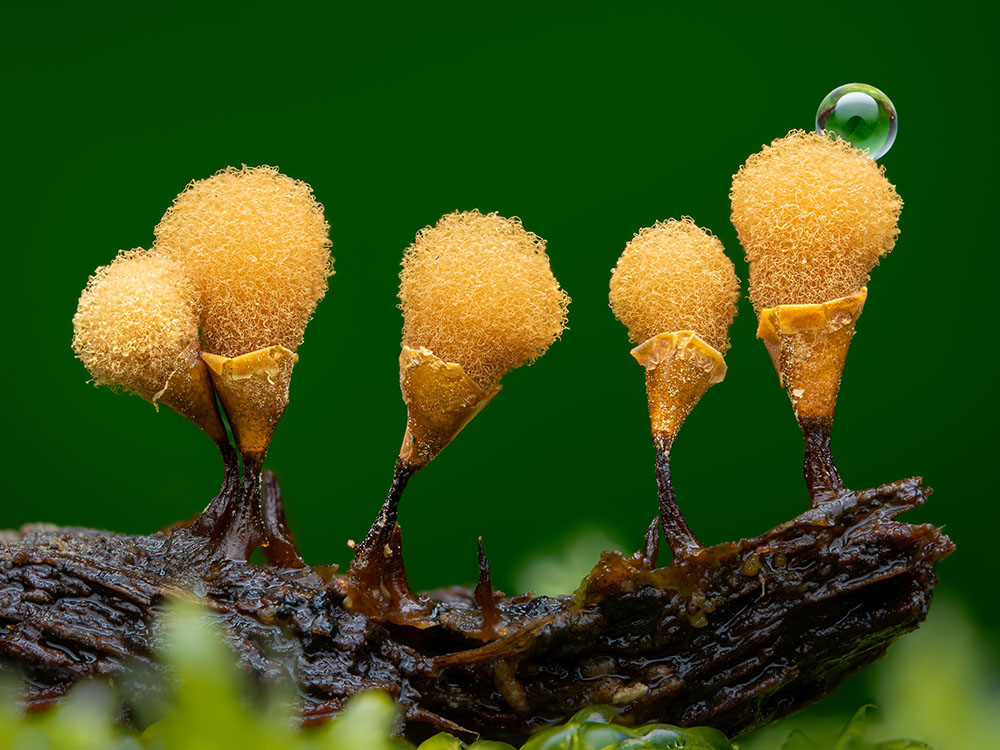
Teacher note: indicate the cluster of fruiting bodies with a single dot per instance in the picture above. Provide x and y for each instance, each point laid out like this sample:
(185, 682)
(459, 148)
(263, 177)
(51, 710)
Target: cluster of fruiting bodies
(212, 315)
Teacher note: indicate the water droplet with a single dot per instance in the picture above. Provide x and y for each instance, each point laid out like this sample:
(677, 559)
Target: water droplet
(860, 114)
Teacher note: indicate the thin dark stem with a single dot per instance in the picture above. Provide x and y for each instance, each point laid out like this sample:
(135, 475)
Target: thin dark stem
(204, 523)
(679, 536)
(238, 532)
(822, 477)
(369, 559)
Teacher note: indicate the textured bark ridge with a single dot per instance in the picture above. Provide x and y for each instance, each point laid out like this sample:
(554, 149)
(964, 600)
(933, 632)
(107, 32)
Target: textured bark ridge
(733, 636)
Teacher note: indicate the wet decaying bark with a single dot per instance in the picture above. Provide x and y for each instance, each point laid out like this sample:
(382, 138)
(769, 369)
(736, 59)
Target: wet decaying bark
(733, 637)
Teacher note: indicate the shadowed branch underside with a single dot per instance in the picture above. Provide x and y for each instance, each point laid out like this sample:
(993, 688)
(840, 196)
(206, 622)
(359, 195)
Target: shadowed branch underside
(733, 636)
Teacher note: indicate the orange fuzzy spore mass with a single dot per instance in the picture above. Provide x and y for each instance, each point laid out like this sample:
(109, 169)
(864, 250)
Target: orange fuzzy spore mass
(675, 276)
(477, 289)
(257, 247)
(814, 215)
(137, 323)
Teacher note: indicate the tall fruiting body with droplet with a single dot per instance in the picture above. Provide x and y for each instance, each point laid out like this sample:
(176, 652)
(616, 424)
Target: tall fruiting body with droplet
(478, 300)
(136, 328)
(814, 216)
(256, 245)
(676, 292)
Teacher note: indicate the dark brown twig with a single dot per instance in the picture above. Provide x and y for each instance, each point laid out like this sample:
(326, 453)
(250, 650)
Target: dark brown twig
(732, 636)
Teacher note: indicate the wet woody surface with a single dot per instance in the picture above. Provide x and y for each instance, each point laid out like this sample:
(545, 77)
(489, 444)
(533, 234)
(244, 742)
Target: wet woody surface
(733, 636)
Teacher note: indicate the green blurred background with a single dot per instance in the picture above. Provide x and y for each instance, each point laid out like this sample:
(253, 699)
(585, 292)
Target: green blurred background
(588, 123)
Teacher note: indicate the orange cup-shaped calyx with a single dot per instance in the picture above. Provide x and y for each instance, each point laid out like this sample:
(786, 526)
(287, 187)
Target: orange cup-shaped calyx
(808, 345)
(441, 399)
(190, 393)
(680, 368)
(253, 388)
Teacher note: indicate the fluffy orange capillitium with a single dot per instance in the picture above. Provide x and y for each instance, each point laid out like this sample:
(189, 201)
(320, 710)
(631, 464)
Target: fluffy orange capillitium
(814, 215)
(257, 247)
(477, 289)
(675, 276)
(137, 323)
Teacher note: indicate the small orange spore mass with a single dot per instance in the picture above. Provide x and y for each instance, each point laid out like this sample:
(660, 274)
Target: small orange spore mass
(675, 276)
(137, 323)
(256, 245)
(814, 216)
(477, 289)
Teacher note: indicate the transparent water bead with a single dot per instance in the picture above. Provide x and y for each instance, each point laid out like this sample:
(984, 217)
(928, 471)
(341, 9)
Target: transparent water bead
(860, 114)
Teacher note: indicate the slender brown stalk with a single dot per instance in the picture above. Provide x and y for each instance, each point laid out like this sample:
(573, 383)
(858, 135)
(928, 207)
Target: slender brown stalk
(678, 534)
(820, 471)
(370, 555)
(204, 523)
(239, 530)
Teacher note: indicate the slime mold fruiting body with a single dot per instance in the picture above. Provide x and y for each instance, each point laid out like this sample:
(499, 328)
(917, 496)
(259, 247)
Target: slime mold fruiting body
(814, 216)
(478, 299)
(255, 244)
(675, 290)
